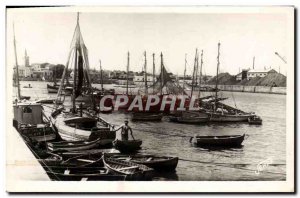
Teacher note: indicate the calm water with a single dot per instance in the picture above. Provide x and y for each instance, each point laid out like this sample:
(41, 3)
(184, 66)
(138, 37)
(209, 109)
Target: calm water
(266, 142)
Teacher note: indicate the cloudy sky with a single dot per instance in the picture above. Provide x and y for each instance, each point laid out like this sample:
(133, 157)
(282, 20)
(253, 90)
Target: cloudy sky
(108, 36)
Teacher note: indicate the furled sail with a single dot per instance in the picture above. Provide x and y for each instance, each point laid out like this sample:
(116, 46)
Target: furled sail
(79, 63)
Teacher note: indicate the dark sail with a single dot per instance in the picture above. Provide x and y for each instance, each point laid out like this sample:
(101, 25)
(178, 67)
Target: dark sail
(80, 77)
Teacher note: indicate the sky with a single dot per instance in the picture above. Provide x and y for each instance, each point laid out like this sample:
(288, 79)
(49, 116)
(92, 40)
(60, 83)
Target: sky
(46, 35)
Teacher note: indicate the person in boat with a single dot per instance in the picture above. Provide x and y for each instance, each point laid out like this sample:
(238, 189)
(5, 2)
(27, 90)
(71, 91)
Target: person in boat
(124, 131)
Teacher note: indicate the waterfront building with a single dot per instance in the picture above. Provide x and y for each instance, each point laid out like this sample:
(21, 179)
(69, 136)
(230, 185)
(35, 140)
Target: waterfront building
(259, 73)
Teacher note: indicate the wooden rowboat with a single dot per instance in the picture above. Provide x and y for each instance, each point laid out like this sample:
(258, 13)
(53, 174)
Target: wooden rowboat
(128, 145)
(132, 171)
(80, 162)
(73, 145)
(158, 163)
(218, 141)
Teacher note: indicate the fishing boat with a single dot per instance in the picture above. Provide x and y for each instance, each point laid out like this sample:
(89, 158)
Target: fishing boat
(218, 141)
(78, 128)
(75, 124)
(158, 163)
(31, 123)
(132, 171)
(52, 88)
(72, 145)
(255, 120)
(219, 112)
(190, 117)
(19, 96)
(126, 146)
(146, 116)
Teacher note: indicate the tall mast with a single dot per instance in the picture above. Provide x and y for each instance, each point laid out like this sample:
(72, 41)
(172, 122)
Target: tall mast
(77, 48)
(17, 67)
(161, 73)
(145, 68)
(184, 73)
(200, 76)
(218, 65)
(253, 62)
(101, 75)
(127, 73)
(153, 73)
(195, 64)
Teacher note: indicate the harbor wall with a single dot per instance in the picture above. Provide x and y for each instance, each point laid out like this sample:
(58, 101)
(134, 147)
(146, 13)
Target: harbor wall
(252, 89)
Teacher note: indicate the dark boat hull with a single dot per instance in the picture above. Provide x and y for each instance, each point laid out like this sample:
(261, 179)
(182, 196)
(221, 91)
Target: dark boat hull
(219, 141)
(127, 146)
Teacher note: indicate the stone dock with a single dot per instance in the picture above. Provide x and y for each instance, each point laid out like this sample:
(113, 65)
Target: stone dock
(22, 167)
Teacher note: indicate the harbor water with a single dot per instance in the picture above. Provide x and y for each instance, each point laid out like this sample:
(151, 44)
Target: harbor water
(265, 144)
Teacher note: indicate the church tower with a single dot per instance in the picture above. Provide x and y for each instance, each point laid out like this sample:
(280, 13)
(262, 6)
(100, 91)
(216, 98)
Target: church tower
(26, 58)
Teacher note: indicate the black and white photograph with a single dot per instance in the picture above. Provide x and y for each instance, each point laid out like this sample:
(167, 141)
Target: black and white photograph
(146, 99)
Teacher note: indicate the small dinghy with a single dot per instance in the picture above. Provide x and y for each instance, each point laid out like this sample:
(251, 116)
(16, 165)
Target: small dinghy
(125, 146)
(158, 163)
(218, 141)
(56, 162)
(255, 120)
(132, 171)
(73, 145)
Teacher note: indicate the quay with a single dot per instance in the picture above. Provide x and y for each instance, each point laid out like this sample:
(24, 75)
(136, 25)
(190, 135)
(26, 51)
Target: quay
(21, 164)
(251, 89)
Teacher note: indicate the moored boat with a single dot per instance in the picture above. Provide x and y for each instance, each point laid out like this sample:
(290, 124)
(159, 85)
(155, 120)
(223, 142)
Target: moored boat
(84, 128)
(218, 141)
(189, 117)
(158, 163)
(72, 145)
(125, 146)
(255, 120)
(132, 171)
(29, 122)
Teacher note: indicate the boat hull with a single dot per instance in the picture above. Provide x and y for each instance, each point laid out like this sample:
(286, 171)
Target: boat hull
(228, 118)
(73, 146)
(127, 146)
(219, 141)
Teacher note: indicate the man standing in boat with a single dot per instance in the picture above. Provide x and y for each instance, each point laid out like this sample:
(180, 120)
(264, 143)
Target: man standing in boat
(124, 131)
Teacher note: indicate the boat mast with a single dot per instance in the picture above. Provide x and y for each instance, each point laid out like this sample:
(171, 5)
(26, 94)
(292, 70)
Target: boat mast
(101, 76)
(153, 78)
(161, 73)
(200, 76)
(193, 80)
(127, 73)
(216, 88)
(17, 67)
(184, 73)
(145, 69)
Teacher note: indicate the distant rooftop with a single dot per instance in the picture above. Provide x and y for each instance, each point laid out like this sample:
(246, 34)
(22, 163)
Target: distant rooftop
(261, 70)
